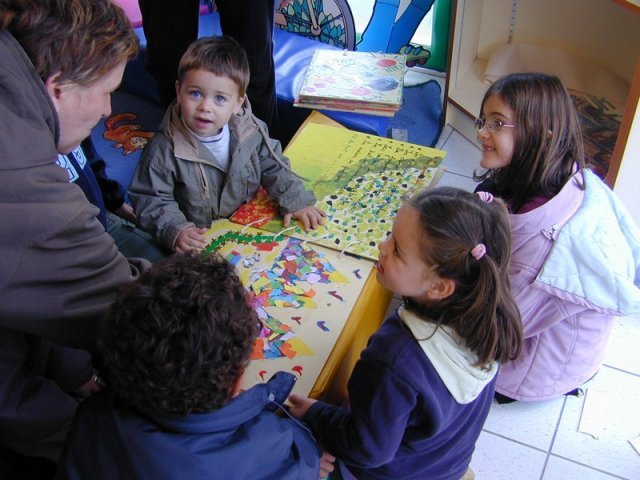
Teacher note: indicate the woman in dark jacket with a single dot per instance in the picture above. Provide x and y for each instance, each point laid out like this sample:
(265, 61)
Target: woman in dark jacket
(60, 270)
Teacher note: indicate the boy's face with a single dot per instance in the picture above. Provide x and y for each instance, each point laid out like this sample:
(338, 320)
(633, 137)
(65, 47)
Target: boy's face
(207, 101)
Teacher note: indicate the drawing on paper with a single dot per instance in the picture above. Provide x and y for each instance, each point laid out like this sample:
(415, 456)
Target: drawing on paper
(359, 180)
(301, 298)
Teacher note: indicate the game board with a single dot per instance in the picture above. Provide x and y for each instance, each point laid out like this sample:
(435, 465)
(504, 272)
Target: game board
(358, 179)
(303, 295)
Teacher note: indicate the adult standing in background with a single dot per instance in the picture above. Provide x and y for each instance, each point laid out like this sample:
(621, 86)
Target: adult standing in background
(60, 270)
(164, 49)
(250, 22)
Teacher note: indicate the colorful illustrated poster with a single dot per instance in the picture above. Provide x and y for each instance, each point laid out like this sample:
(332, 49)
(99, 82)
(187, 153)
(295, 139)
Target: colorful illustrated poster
(359, 180)
(365, 78)
(303, 295)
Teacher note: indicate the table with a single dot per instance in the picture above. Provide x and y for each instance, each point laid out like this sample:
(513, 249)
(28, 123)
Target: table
(318, 306)
(365, 318)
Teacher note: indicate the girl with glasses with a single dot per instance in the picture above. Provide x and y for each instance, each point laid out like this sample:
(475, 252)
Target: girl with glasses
(576, 251)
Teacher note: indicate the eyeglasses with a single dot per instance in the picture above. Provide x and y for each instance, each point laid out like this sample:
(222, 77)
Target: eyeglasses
(493, 124)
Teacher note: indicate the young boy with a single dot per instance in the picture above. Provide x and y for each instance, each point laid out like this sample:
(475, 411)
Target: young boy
(175, 345)
(212, 154)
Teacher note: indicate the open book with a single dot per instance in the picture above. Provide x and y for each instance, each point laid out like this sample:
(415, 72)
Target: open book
(358, 179)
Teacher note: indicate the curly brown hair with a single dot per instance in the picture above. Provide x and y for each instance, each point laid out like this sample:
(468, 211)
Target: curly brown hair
(177, 340)
(81, 40)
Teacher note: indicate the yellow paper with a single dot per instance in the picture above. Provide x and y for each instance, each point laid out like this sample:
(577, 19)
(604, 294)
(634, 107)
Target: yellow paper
(359, 181)
(295, 336)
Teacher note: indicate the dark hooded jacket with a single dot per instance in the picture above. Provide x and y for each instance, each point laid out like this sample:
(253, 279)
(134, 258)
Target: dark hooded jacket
(244, 439)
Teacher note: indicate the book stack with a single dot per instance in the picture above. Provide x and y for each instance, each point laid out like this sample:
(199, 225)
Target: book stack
(363, 82)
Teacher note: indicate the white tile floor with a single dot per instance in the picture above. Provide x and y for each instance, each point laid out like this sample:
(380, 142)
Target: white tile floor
(540, 440)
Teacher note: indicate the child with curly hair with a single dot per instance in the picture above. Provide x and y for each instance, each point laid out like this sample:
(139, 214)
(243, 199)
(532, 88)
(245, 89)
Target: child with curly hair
(175, 345)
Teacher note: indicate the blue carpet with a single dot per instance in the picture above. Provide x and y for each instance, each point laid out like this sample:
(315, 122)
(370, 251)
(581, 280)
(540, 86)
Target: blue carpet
(421, 113)
(132, 122)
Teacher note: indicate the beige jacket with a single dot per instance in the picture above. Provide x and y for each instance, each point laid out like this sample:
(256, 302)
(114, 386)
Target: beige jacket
(178, 183)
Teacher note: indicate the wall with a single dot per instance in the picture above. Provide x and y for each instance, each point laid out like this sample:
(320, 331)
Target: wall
(626, 186)
(601, 31)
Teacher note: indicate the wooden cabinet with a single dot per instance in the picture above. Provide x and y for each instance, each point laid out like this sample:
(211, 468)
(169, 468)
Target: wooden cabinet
(604, 32)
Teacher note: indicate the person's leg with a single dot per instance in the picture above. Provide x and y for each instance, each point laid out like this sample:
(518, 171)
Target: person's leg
(405, 27)
(169, 27)
(375, 37)
(250, 22)
(134, 242)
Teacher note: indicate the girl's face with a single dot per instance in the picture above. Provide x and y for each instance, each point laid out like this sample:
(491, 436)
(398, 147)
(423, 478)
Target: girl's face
(497, 147)
(400, 265)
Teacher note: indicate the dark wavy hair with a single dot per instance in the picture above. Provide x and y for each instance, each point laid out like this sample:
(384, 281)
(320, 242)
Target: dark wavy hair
(82, 40)
(548, 138)
(223, 56)
(177, 340)
(481, 309)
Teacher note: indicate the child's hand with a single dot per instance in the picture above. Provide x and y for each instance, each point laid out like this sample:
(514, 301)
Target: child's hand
(91, 386)
(126, 211)
(326, 464)
(299, 405)
(310, 217)
(191, 239)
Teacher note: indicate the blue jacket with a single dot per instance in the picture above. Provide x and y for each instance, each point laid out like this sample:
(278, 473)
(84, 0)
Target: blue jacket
(403, 422)
(87, 169)
(242, 440)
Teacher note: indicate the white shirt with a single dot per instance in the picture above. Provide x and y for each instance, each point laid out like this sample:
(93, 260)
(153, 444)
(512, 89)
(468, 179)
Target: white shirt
(218, 145)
